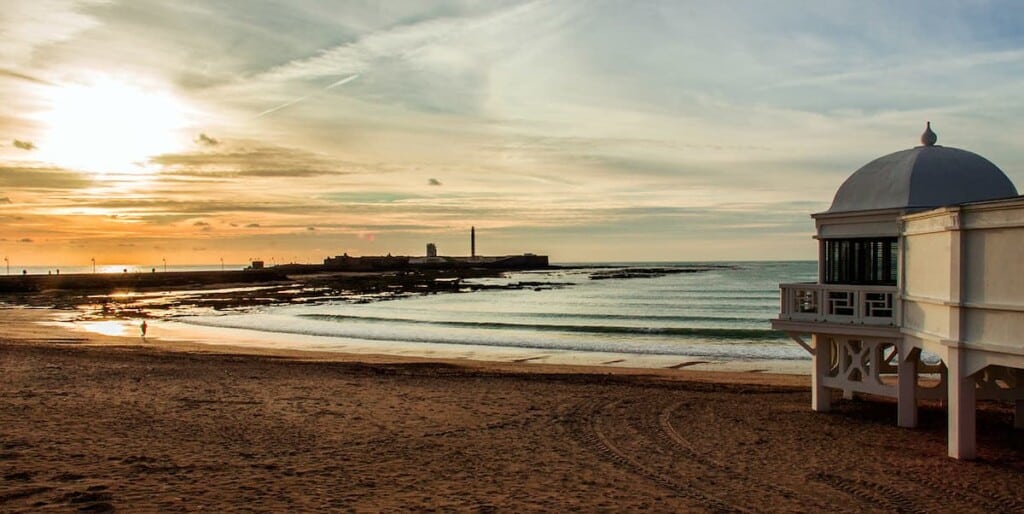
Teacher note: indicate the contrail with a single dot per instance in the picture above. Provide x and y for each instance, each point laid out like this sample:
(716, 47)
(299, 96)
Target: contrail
(345, 80)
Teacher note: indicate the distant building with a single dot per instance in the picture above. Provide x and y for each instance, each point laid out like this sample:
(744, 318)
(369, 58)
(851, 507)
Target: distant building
(257, 265)
(919, 252)
(370, 263)
(433, 261)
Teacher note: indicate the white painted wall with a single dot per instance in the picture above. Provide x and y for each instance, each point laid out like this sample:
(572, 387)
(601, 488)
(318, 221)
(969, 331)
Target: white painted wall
(964, 275)
(927, 264)
(994, 260)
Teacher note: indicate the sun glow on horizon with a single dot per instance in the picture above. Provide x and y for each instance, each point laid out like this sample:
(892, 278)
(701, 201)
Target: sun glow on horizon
(110, 127)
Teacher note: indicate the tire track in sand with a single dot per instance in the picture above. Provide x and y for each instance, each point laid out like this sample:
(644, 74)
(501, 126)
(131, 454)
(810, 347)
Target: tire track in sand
(971, 494)
(872, 493)
(585, 427)
(672, 439)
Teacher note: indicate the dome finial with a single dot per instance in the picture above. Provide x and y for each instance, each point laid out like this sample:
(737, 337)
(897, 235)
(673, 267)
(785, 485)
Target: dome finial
(929, 138)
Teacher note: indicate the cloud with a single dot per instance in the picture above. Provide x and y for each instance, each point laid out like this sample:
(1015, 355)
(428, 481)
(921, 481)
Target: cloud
(30, 26)
(24, 145)
(205, 140)
(253, 225)
(22, 76)
(402, 41)
(5, 199)
(311, 229)
(207, 229)
(23, 177)
(433, 182)
(200, 224)
(262, 161)
(25, 240)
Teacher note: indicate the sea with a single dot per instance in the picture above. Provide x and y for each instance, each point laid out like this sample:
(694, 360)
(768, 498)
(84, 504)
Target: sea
(563, 316)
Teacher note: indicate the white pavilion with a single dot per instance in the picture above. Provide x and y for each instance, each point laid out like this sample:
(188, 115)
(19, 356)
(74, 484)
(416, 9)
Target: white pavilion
(921, 251)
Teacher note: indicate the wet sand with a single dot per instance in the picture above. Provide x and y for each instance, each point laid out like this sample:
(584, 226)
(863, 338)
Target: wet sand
(94, 423)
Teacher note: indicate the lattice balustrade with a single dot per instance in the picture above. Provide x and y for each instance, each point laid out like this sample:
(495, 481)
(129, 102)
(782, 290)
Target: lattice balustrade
(841, 303)
(877, 305)
(805, 301)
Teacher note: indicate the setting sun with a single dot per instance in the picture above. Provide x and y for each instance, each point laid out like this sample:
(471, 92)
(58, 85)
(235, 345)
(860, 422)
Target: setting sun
(108, 126)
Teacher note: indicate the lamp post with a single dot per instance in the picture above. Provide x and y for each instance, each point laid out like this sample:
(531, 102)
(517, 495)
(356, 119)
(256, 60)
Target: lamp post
(222, 264)
(8, 265)
(93, 264)
(165, 264)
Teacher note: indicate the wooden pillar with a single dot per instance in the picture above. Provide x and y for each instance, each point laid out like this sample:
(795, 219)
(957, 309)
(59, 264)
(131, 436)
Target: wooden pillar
(1018, 415)
(906, 387)
(821, 400)
(961, 410)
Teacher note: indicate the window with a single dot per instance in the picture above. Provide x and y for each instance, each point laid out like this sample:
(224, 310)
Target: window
(861, 261)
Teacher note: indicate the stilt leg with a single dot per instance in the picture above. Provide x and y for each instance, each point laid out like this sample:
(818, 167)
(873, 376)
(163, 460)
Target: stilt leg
(962, 444)
(907, 386)
(821, 399)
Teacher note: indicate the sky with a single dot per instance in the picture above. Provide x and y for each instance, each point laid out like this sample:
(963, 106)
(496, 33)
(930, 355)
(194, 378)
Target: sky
(588, 130)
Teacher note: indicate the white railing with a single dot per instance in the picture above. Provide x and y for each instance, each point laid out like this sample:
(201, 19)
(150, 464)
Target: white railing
(839, 303)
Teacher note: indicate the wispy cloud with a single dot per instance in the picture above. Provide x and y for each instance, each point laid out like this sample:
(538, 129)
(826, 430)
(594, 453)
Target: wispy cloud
(23, 177)
(248, 161)
(568, 124)
(12, 74)
(28, 26)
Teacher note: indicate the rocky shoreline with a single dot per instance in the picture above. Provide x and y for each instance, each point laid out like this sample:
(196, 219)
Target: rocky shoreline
(166, 295)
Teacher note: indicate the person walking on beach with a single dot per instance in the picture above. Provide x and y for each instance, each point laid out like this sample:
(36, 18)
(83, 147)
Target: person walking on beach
(143, 328)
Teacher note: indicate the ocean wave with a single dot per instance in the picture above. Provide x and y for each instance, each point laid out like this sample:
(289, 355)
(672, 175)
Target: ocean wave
(743, 334)
(644, 317)
(384, 333)
(723, 314)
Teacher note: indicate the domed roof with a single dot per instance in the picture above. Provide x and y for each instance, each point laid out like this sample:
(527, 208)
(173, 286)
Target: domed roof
(924, 177)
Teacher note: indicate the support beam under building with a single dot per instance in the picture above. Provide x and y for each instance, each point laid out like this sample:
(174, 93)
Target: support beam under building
(1018, 415)
(906, 387)
(821, 399)
(962, 406)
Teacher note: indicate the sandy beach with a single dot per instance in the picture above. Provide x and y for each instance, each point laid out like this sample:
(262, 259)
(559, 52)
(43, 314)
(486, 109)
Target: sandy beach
(96, 423)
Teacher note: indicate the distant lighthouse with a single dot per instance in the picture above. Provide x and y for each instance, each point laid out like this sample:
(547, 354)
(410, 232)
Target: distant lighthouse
(472, 241)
